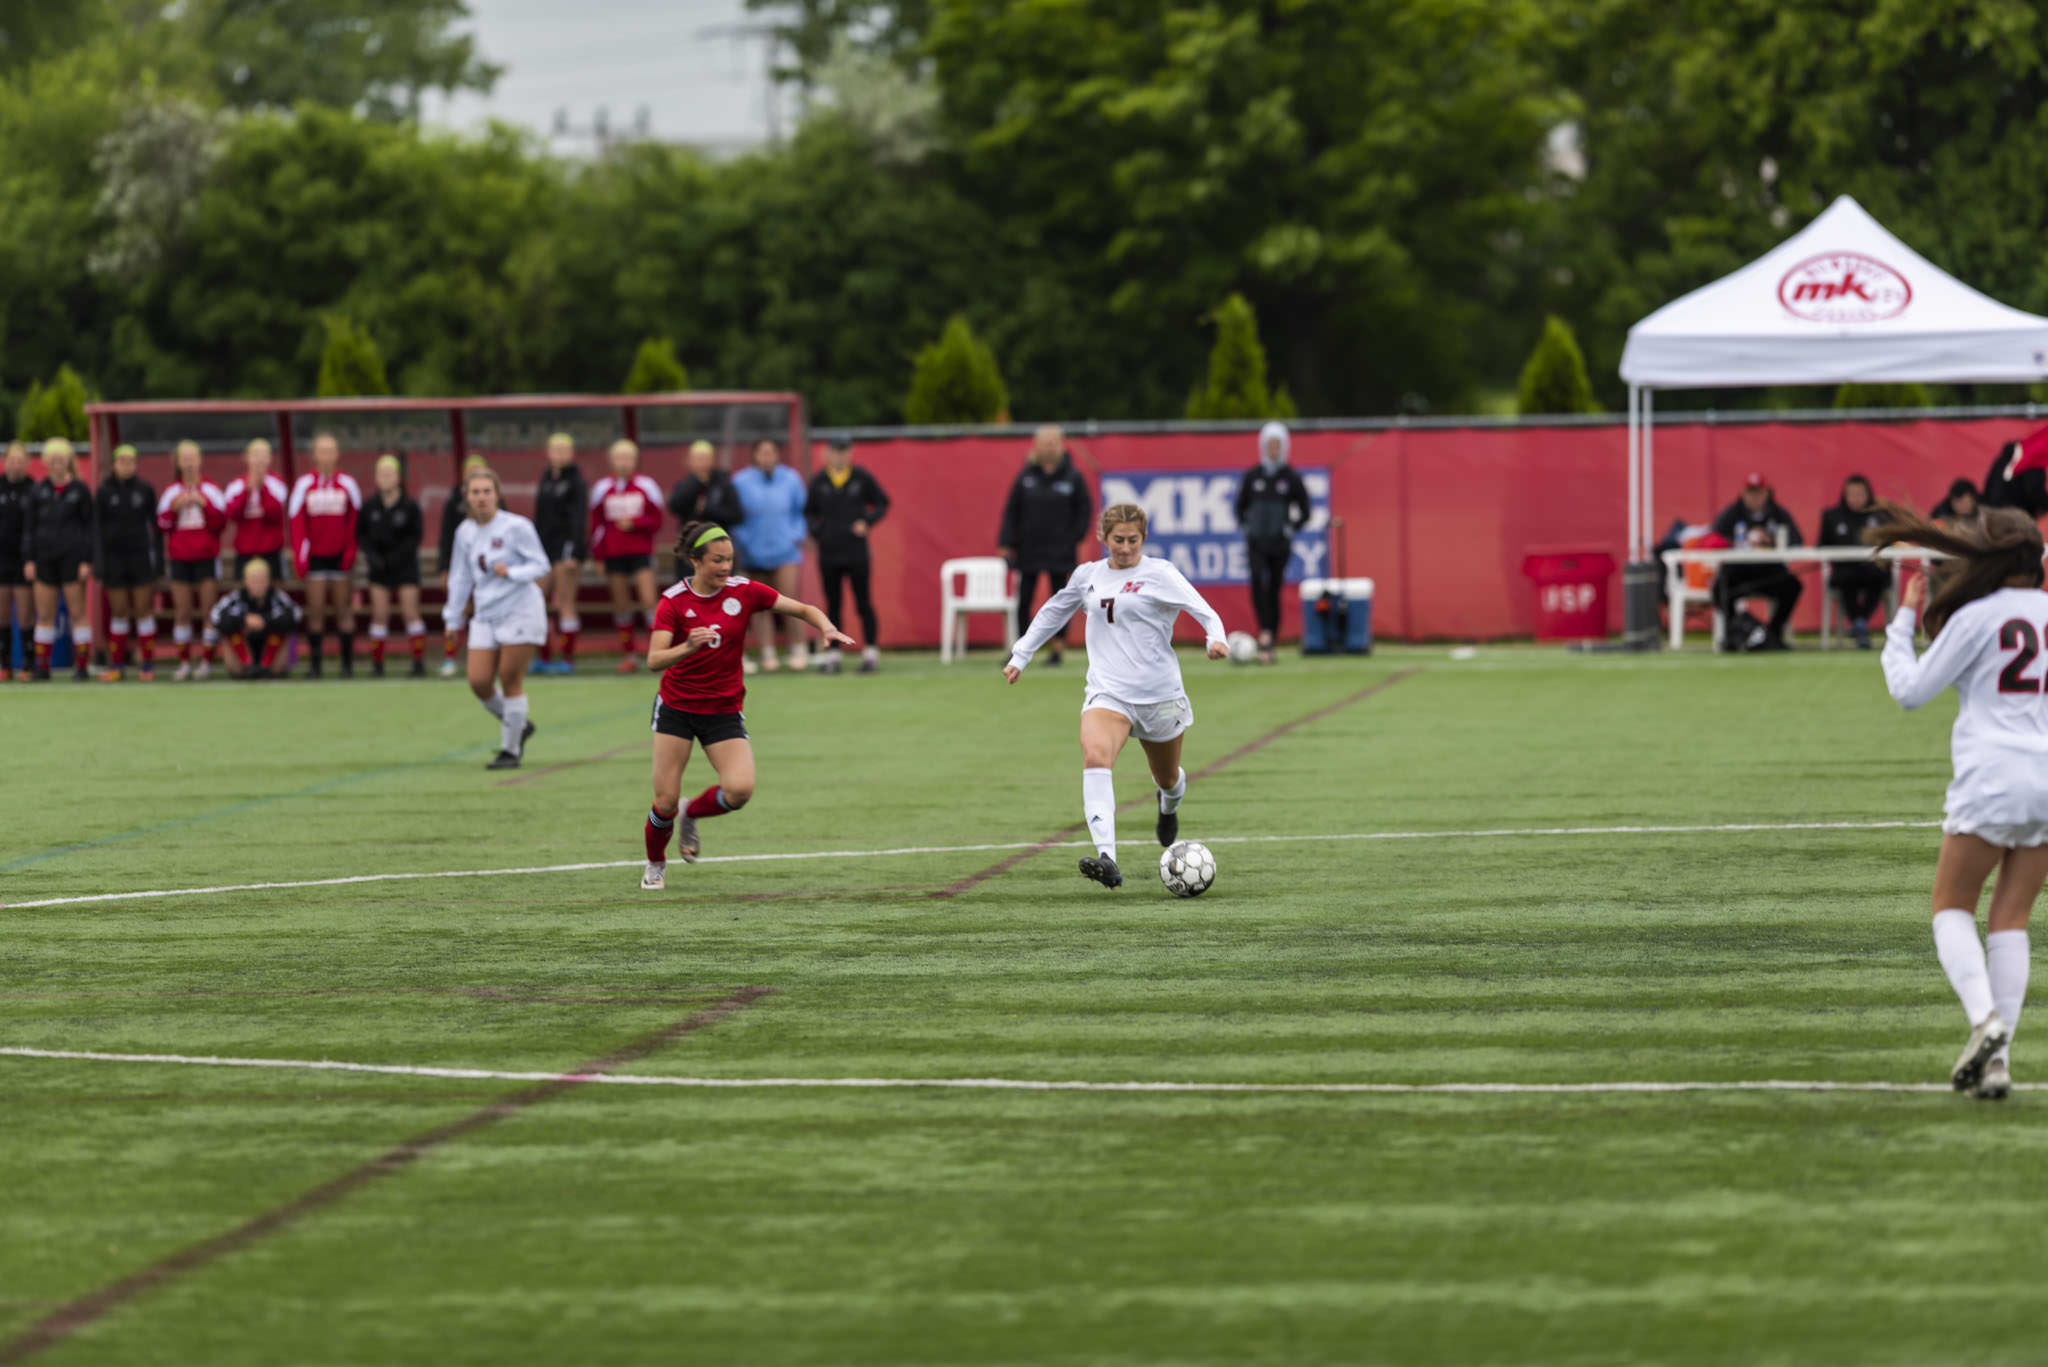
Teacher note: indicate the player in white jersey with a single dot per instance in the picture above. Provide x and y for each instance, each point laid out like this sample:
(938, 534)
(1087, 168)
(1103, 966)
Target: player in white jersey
(1988, 623)
(498, 560)
(1134, 688)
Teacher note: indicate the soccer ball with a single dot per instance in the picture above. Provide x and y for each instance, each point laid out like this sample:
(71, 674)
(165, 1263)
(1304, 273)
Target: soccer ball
(1187, 868)
(1244, 647)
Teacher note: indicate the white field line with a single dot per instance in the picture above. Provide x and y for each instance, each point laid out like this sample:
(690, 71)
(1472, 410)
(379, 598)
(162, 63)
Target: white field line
(1501, 834)
(985, 1084)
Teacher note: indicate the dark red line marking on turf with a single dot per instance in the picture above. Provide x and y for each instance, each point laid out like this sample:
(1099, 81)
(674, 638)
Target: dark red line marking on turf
(68, 1319)
(1066, 833)
(532, 774)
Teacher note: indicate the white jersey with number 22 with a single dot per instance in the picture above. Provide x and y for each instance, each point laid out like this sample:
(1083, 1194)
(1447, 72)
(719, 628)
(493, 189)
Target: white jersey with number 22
(1994, 653)
(1130, 626)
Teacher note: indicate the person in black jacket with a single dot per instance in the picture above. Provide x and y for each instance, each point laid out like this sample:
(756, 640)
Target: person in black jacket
(561, 515)
(128, 558)
(15, 488)
(1861, 585)
(388, 533)
(705, 492)
(1961, 507)
(257, 619)
(1272, 505)
(454, 513)
(1755, 521)
(843, 506)
(59, 542)
(1049, 513)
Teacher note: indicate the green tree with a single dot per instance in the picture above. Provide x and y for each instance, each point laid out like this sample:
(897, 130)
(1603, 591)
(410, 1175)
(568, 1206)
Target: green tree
(955, 380)
(378, 57)
(1554, 379)
(655, 369)
(350, 364)
(1883, 396)
(1370, 170)
(54, 410)
(1236, 387)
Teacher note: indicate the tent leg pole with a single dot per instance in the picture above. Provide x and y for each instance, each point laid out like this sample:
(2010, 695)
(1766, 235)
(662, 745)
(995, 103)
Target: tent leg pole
(1649, 519)
(1635, 507)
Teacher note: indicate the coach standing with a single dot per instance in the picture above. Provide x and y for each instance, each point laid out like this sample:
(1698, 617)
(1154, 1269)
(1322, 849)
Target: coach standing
(1046, 516)
(1272, 505)
(844, 505)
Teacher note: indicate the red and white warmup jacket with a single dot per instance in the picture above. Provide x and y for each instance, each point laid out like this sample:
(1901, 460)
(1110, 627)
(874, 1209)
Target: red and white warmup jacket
(192, 532)
(635, 502)
(256, 512)
(323, 512)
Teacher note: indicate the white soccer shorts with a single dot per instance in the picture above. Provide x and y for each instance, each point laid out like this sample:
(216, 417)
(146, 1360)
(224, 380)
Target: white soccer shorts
(524, 625)
(1153, 721)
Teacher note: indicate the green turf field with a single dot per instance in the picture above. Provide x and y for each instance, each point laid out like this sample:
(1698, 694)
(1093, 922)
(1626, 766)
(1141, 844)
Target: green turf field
(161, 1213)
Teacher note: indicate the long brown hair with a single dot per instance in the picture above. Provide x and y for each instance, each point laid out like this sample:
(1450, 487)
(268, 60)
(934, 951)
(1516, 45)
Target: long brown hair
(2004, 550)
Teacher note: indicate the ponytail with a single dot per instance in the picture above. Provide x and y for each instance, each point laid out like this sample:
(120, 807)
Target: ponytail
(2004, 551)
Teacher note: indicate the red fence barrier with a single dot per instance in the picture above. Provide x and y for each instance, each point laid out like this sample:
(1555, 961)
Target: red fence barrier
(1439, 517)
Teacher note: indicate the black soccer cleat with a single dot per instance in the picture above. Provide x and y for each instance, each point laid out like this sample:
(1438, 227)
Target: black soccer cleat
(1103, 870)
(1168, 828)
(525, 736)
(376, 669)
(418, 671)
(505, 760)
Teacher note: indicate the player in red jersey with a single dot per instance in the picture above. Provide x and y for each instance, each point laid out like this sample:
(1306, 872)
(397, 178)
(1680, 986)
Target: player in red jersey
(191, 515)
(625, 513)
(323, 510)
(699, 641)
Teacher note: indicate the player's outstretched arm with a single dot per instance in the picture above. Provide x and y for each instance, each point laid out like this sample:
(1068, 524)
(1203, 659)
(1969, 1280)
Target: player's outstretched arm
(1050, 620)
(790, 607)
(1191, 601)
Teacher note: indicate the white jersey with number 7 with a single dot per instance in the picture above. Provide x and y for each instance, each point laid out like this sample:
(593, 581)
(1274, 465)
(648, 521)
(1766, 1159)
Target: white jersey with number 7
(1130, 626)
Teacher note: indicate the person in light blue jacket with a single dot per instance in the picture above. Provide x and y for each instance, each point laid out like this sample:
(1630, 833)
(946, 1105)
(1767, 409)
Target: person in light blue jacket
(770, 542)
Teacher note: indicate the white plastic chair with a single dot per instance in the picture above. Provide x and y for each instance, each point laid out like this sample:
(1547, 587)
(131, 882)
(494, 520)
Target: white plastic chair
(976, 583)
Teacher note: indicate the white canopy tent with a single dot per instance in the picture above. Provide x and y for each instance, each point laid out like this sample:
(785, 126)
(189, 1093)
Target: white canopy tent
(1841, 301)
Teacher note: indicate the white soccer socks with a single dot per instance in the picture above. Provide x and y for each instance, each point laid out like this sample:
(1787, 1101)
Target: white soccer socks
(1962, 958)
(512, 724)
(495, 705)
(2007, 953)
(1098, 804)
(1169, 798)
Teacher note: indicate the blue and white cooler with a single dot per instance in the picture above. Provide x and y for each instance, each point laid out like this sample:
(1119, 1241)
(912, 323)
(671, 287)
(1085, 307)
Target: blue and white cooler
(1336, 616)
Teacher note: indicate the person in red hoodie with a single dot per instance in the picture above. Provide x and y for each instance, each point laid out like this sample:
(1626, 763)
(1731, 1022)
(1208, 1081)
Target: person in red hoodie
(256, 510)
(625, 513)
(191, 514)
(323, 512)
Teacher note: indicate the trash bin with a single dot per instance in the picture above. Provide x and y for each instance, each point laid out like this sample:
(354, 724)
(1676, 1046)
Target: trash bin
(1571, 593)
(1336, 616)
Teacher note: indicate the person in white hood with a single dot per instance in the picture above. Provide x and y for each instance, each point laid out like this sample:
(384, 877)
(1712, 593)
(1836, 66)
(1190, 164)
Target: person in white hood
(1272, 505)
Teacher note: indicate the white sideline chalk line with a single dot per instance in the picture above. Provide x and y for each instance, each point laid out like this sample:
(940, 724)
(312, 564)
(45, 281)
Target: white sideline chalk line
(986, 1084)
(979, 849)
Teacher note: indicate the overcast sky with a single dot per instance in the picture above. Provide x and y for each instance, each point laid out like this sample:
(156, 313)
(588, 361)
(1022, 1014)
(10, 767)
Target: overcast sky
(698, 86)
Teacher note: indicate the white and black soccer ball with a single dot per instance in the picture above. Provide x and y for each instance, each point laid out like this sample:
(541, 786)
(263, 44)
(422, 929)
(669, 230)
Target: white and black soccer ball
(1244, 647)
(1187, 868)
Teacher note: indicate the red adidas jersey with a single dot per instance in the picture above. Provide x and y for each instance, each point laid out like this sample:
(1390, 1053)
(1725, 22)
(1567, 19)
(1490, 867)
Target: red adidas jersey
(194, 531)
(624, 516)
(323, 512)
(710, 680)
(256, 512)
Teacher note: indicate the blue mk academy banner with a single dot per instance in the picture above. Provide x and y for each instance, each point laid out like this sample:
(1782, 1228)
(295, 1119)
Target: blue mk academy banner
(1191, 521)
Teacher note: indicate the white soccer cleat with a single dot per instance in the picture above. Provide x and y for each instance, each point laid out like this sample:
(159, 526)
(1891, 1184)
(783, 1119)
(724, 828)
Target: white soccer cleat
(655, 879)
(1986, 1039)
(184, 671)
(448, 668)
(800, 657)
(203, 670)
(1996, 1084)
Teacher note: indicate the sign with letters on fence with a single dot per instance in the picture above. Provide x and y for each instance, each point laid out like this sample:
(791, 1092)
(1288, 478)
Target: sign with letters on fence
(1192, 521)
